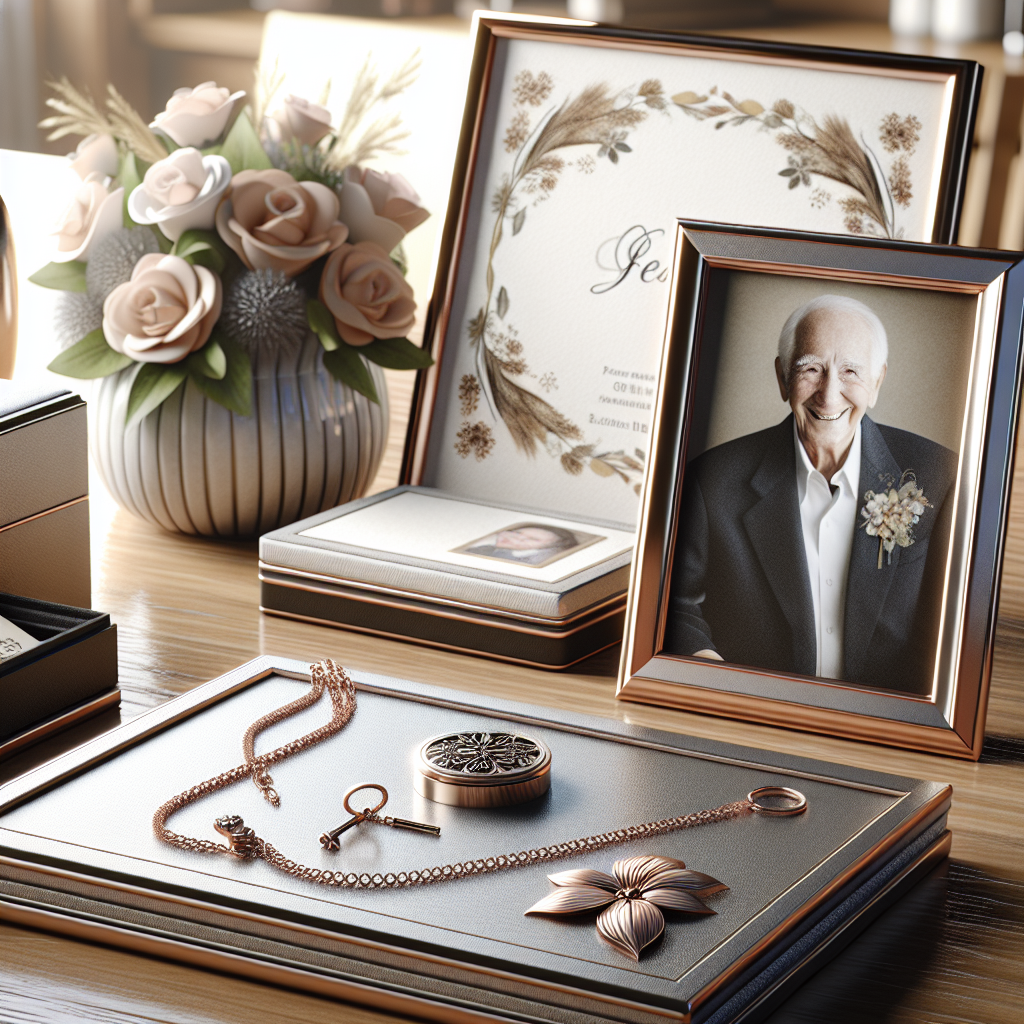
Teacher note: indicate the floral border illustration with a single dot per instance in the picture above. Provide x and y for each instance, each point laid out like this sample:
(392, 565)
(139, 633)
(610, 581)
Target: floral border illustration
(601, 120)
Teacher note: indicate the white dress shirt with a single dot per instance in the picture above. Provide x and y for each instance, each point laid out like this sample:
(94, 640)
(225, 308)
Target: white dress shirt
(829, 521)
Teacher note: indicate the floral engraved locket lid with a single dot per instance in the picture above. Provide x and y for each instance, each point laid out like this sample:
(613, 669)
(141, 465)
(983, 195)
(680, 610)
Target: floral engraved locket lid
(483, 769)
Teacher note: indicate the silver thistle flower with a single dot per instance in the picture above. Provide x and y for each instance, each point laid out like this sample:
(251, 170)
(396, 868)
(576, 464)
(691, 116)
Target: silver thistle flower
(264, 309)
(77, 315)
(114, 259)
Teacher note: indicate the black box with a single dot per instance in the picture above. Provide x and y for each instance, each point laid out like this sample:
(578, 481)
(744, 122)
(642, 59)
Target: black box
(75, 664)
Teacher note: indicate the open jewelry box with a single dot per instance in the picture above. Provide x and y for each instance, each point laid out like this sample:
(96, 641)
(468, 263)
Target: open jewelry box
(512, 533)
(78, 856)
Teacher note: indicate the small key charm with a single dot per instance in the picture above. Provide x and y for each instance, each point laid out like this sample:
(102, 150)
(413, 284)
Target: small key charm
(329, 840)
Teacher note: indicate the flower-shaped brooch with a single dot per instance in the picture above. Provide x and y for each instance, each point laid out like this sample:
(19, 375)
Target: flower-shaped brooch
(891, 514)
(632, 896)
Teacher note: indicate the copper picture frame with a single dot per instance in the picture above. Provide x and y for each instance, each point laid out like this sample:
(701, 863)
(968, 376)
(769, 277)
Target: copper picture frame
(717, 269)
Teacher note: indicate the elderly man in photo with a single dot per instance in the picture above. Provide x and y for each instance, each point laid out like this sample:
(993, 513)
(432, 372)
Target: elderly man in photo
(773, 566)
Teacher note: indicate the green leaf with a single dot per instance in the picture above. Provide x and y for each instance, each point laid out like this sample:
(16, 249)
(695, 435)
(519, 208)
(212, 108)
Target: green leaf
(623, 148)
(518, 220)
(166, 245)
(203, 247)
(66, 277)
(234, 389)
(396, 354)
(613, 156)
(90, 357)
(130, 177)
(242, 147)
(153, 384)
(210, 360)
(502, 303)
(400, 260)
(345, 365)
(322, 324)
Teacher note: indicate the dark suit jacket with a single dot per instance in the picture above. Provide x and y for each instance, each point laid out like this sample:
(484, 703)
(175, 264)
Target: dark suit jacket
(740, 584)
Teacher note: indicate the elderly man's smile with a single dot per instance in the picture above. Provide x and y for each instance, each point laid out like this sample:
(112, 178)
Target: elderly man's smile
(831, 379)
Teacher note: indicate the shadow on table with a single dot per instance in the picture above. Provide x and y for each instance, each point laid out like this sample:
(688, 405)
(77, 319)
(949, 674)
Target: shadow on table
(950, 950)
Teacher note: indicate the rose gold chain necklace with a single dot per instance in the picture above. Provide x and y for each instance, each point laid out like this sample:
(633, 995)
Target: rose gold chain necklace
(326, 675)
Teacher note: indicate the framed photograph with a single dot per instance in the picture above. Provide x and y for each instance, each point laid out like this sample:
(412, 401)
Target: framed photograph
(581, 144)
(822, 530)
(530, 544)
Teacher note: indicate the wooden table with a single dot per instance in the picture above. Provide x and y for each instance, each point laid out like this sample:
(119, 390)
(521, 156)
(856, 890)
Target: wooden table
(187, 610)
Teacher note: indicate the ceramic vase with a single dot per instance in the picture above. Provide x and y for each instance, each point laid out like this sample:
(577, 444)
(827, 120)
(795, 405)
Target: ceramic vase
(192, 466)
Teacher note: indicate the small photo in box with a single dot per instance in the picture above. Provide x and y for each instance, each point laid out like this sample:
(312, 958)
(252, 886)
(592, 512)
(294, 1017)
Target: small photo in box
(534, 544)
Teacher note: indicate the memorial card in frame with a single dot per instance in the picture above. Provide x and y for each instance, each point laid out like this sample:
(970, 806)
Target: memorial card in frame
(581, 145)
(822, 530)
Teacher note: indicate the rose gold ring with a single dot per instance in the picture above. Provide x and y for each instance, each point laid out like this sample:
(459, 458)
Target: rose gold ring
(797, 801)
(366, 785)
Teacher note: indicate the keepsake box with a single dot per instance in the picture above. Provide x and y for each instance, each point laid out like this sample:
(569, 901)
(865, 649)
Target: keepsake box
(44, 495)
(390, 564)
(70, 674)
(79, 856)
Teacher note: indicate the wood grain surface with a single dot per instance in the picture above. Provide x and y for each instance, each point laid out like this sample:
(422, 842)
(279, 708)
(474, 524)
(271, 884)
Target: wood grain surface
(951, 951)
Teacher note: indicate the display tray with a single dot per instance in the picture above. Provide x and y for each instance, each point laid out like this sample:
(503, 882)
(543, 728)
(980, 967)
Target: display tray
(78, 856)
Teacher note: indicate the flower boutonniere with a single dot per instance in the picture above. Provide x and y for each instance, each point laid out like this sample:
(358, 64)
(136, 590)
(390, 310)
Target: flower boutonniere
(891, 514)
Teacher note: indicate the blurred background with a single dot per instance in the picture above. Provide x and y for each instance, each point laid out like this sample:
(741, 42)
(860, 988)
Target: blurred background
(315, 48)
(148, 48)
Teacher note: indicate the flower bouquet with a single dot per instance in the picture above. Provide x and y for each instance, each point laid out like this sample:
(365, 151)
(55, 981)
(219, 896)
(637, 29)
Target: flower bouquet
(218, 232)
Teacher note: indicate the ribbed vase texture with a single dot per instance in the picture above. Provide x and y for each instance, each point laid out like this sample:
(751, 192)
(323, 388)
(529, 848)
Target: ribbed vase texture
(191, 466)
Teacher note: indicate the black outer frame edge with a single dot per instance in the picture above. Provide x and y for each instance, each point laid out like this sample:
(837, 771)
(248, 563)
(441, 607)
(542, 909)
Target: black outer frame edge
(963, 116)
(1008, 257)
(995, 486)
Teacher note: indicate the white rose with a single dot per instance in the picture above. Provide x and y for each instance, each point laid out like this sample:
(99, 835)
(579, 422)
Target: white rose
(96, 154)
(199, 116)
(93, 214)
(301, 120)
(181, 192)
(379, 208)
(166, 311)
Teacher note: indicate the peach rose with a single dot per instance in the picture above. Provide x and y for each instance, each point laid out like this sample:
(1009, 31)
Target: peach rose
(93, 214)
(166, 311)
(274, 222)
(379, 208)
(96, 153)
(366, 294)
(181, 192)
(301, 120)
(199, 116)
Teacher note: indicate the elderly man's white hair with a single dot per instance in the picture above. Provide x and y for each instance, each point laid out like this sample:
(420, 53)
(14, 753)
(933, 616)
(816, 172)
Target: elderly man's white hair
(835, 304)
